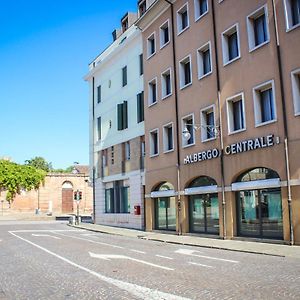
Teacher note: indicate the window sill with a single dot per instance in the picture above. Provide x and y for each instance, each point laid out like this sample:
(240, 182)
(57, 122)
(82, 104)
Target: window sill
(183, 30)
(297, 114)
(266, 123)
(293, 27)
(153, 155)
(209, 140)
(185, 86)
(259, 46)
(236, 131)
(164, 45)
(149, 56)
(149, 105)
(168, 151)
(166, 96)
(205, 75)
(188, 145)
(201, 16)
(231, 61)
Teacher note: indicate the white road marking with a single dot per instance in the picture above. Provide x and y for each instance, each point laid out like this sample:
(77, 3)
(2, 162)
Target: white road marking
(191, 253)
(91, 241)
(112, 256)
(89, 234)
(46, 235)
(166, 257)
(200, 265)
(134, 289)
(137, 251)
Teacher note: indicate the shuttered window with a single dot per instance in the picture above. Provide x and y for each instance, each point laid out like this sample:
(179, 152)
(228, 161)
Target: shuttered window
(140, 107)
(122, 113)
(124, 76)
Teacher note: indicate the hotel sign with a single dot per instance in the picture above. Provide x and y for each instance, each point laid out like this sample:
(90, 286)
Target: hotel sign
(239, 147)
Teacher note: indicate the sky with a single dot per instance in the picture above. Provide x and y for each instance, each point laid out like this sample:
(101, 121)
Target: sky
(45, 49)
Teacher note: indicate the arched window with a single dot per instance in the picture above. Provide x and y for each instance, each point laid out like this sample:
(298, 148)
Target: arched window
(165, 186)
(67, 185)
(202, 181)
(257, 174)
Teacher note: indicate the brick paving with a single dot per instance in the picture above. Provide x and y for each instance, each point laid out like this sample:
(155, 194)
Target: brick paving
(29, 272)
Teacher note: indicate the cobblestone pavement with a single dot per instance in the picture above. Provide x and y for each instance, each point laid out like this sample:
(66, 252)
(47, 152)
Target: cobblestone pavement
(54, 261)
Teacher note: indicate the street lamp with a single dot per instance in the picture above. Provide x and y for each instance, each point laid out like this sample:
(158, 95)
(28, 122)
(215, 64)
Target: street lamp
(214, 130)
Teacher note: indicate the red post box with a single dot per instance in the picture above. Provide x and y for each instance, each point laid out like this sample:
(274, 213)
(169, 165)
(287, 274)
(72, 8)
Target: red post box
(137, 210)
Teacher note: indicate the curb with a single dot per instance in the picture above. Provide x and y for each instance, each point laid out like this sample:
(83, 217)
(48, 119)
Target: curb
(180, 243)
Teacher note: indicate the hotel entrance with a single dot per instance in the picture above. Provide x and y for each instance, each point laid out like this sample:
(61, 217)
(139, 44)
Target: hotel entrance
(203, 206)
(259, 204)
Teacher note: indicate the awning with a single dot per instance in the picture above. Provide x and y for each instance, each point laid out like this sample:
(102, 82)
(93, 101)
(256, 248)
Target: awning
(201, 190)
(160, 194)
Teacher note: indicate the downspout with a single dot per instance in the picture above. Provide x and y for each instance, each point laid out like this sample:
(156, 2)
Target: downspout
(177, 121)
(220, 122)
(285, 125)
(93, 140)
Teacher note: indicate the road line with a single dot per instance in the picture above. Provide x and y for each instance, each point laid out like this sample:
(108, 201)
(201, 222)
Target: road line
(91, 241)
(137, 251)
(166, 257)
(113, 256)
(46, 235)
(200, 265)
(134, 289)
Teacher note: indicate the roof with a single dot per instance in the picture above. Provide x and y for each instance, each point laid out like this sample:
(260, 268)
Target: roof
(81, 169)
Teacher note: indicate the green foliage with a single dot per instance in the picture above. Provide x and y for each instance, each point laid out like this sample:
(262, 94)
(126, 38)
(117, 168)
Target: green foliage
(14, 178)
(39, 163)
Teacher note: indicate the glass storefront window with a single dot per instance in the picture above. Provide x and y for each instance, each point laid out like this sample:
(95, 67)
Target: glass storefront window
(165, 213)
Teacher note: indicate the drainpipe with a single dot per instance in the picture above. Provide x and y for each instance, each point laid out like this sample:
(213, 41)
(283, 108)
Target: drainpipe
(93, 139)
(177, 120)
(285, 125)
(220, 123)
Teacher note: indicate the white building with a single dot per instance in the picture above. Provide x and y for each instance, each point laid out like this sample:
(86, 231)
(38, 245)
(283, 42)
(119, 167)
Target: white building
(117, 128)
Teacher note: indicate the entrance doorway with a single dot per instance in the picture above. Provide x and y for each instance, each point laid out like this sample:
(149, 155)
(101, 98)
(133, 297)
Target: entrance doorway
(259, 211)
(67, 197)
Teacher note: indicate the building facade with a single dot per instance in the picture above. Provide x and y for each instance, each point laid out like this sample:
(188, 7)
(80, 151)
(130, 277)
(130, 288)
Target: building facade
(117, 128)
(222, 127)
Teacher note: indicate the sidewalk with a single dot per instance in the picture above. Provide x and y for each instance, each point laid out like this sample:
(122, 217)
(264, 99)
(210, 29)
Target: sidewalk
(188, 240)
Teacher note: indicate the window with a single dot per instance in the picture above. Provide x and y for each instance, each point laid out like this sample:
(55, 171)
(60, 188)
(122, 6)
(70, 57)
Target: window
(164, 34)
(204, 60)
(125, 23)
(140, 107)
(207, 117)
(201, 8)
(99, 128)
(166, 86)
(154, 143)
(264, 103)
(258, 32)
(141, 64)
(151, 45)
(182, 19)
(127, 150)
(152, 92)
(231, 44)
(292, 13)
(112, 151)
(168, 138)
(104, 158)
(99, 93)
(188, 125)
(185, 70)
(296, 90)
(236, 113)
(122, 114)
(142, 7)
(109, 200)
(117, 199)
(124, 76)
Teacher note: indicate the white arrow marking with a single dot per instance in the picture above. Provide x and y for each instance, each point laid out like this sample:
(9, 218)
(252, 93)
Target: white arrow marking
(113, 256)
(191, 253)
(47, 235)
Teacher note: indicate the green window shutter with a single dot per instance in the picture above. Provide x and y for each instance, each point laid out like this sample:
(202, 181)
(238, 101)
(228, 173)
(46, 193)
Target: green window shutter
(125, 115)
(142, 107)
(120, 116)
(99, 93)
(138, 107)
(99, 127)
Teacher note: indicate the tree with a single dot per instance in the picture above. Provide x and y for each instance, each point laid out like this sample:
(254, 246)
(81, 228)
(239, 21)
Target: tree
(14, 178)
(39, 163)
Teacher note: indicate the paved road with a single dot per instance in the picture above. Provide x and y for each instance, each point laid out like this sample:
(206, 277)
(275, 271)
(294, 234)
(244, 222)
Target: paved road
(54, 261)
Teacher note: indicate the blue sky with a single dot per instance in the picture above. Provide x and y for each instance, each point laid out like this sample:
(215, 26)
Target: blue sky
(45, 48)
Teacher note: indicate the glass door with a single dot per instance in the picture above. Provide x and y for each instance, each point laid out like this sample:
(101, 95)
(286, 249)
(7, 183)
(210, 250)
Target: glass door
(197, 213)
(165, 213)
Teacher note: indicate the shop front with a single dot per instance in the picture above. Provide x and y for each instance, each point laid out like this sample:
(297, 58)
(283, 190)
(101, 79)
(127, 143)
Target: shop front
(259, 204)
(203, 205)
(165, 207)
